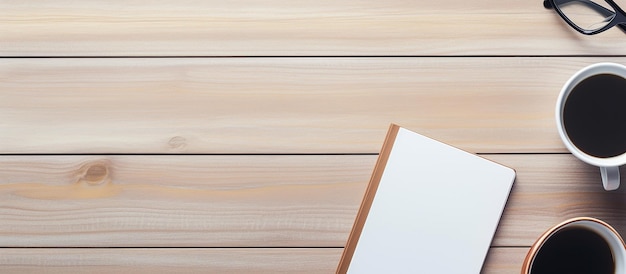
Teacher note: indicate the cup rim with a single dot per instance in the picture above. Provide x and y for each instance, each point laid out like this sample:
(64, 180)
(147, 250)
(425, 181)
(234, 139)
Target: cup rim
(593, 69)
(532, 252)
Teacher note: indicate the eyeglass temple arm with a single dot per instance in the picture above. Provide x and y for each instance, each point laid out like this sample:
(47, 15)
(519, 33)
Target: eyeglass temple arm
(547, 4)
(600, 9)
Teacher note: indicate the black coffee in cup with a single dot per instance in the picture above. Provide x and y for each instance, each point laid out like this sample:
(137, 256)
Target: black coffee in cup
(574, 250)
(594, 115)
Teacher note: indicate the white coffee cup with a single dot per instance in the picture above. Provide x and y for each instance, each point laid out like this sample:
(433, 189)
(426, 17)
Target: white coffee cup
(591, 118)
(582, 244)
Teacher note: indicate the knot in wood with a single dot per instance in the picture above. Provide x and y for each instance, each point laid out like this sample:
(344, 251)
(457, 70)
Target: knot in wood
(96, 173)
(177, 142)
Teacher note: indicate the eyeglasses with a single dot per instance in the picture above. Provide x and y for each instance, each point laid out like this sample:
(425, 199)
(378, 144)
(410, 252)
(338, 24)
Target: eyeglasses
(589, 17)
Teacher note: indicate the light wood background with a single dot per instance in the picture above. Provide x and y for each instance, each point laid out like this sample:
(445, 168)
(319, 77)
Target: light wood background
(239, 136)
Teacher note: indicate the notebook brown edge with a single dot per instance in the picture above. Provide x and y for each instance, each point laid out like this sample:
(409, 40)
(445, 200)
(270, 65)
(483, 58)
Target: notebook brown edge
(368, 198)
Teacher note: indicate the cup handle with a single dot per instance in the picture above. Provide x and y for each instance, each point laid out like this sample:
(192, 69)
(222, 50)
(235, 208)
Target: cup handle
(610, 177)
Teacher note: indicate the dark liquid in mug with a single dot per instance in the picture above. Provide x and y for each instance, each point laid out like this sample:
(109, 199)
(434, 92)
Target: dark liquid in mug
(574, 250)
(594, 115)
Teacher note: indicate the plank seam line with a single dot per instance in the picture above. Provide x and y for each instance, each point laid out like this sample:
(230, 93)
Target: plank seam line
(188, 154)
(309, 56)
(171, 247)
(253, 154)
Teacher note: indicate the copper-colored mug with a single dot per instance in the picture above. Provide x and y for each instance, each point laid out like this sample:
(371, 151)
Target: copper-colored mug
(578, 245)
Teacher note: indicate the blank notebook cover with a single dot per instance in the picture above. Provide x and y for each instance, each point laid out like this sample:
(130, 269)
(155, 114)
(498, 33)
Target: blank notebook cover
(429, 208)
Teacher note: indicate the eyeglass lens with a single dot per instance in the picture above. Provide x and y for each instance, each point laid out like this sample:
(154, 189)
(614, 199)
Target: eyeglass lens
(587, 15)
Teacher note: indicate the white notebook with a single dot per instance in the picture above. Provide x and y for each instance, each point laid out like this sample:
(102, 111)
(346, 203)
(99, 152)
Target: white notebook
(429, 208)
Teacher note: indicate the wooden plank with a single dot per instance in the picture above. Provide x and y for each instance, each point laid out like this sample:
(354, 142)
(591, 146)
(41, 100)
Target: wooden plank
(169, 260)
(203, 260)
(245, 201)
(550, 189)
(300, 27)
(278, 105)
(501, 260)
(206, 201)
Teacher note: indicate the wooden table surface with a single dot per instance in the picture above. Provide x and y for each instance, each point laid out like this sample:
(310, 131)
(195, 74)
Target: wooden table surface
(239, 136)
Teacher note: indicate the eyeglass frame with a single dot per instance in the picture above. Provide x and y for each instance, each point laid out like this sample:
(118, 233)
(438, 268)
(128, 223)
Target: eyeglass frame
(619, 19)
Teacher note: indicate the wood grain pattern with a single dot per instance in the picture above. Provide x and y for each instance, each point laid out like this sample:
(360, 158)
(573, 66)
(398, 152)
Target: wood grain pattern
(252, 201)
(206, 201)
(299, 27)
(279, 105)
(203, 260)
(550, 189)
(504, 260)
(169, 260)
